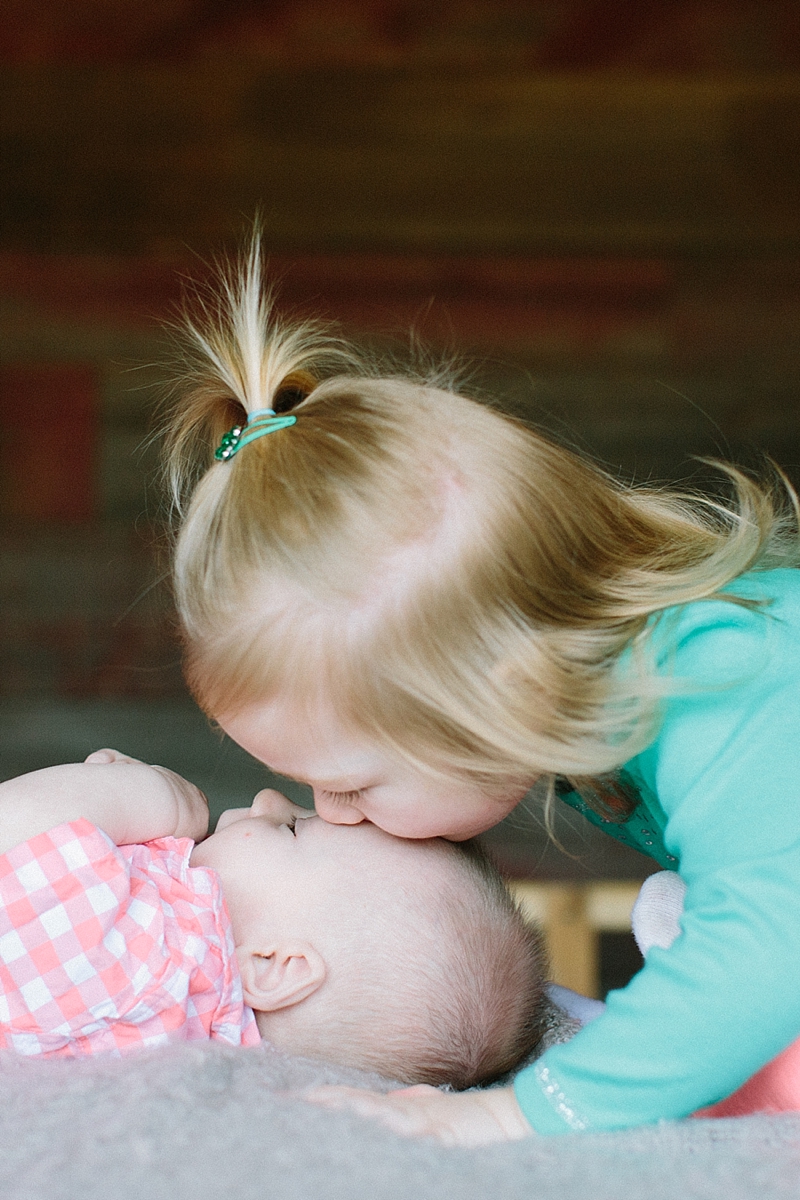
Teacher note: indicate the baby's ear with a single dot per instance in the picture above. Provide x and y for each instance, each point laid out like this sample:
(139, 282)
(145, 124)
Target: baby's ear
(279, 976)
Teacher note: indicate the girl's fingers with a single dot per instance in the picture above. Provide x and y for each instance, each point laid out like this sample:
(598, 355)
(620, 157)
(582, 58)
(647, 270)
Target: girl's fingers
(453, 1118)
(419, 1089)
(400, 1117)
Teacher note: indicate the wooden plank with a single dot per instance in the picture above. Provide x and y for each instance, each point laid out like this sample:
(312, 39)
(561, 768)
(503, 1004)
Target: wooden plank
(683, 34)
(481, 299)
(451, 160)
(571, 941)
(607, 905)
(572, 916)
(599, 32)
(48, 418)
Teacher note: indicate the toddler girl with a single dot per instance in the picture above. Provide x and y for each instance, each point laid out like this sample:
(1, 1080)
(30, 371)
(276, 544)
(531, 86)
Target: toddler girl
(419, 607)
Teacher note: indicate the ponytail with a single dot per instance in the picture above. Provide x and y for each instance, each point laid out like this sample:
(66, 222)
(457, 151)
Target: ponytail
(237, 357)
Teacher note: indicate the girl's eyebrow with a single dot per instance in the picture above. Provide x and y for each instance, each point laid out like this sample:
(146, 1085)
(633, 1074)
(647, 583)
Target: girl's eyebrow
(332, 783)
(342, 784)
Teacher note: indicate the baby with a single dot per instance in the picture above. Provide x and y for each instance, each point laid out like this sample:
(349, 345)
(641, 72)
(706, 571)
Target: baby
(334, 941)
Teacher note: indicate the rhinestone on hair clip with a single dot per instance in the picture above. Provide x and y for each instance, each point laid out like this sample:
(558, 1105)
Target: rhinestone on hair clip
(257, 425)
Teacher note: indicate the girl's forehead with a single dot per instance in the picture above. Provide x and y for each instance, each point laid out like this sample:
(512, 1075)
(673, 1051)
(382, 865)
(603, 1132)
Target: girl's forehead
(310, 745)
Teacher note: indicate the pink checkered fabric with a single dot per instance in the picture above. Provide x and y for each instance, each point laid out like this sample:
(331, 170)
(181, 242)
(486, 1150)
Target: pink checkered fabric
(107, 948)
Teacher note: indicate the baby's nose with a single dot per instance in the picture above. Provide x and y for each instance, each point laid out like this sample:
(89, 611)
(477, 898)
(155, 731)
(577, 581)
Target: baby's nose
(269, 803)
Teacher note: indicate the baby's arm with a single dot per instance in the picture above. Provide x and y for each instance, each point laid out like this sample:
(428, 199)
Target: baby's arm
(127, 799)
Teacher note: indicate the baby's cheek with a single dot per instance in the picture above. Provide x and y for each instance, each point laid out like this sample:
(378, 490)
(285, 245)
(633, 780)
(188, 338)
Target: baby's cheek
(230, 815)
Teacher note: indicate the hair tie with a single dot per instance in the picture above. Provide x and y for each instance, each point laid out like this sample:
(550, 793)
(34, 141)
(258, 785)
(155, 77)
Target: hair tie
(258, 424)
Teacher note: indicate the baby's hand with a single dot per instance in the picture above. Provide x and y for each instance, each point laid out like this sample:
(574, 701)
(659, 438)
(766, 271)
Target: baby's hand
(190, 805)
(453, 1118)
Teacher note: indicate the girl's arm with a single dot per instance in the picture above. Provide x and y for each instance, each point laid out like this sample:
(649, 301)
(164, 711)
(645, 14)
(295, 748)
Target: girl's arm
(704, 1015)
(127, 799)
(465, 1119)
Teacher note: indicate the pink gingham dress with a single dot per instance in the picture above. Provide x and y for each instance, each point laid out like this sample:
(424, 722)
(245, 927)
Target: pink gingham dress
(108, 948)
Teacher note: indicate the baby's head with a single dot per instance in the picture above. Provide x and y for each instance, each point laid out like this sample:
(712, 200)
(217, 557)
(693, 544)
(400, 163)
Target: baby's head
(405, 958)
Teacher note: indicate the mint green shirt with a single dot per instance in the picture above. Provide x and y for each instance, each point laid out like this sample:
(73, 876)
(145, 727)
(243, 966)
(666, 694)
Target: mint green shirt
(720, 789)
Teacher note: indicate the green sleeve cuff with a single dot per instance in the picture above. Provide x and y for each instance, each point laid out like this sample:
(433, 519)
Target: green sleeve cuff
(544, 1104)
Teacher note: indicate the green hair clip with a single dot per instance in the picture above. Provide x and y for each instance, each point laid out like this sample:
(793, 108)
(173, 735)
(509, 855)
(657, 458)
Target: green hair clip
(257, 425)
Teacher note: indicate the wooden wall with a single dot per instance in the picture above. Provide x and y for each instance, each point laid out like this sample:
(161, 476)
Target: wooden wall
(597, 203)
(137, 158)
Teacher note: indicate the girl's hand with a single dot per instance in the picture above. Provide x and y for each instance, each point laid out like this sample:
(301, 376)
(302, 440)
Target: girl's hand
(453, 1118)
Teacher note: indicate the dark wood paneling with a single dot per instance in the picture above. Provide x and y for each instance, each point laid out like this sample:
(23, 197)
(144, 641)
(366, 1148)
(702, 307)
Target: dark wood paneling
(48, 433)
(86, 611)
(399, 159)
(481, 299)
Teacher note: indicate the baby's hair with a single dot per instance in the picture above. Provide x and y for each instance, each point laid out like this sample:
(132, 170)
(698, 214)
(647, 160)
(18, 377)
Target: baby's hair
(490, 1018)
(461, 585)
(443, 981)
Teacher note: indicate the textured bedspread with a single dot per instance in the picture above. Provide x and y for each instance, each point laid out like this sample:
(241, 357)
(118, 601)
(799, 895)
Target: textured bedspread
(203, 1120)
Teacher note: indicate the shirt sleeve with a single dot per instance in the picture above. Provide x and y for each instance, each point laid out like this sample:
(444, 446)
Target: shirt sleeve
(703, 1016)
(64, 972)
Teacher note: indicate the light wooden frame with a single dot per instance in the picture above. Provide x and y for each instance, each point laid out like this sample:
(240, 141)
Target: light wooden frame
(572, 916)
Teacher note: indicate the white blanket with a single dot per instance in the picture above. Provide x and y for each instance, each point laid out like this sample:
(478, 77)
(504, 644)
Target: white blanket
(204, 1121)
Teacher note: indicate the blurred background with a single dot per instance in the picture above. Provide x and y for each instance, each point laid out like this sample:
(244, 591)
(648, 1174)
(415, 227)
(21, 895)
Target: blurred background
(595, 203)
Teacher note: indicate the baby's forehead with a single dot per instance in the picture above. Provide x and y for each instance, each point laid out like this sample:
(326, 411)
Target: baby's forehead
(365, 834)
(403, 856)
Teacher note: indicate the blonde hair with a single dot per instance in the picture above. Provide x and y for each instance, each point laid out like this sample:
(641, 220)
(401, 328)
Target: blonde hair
(460, 585)
(441, 982)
